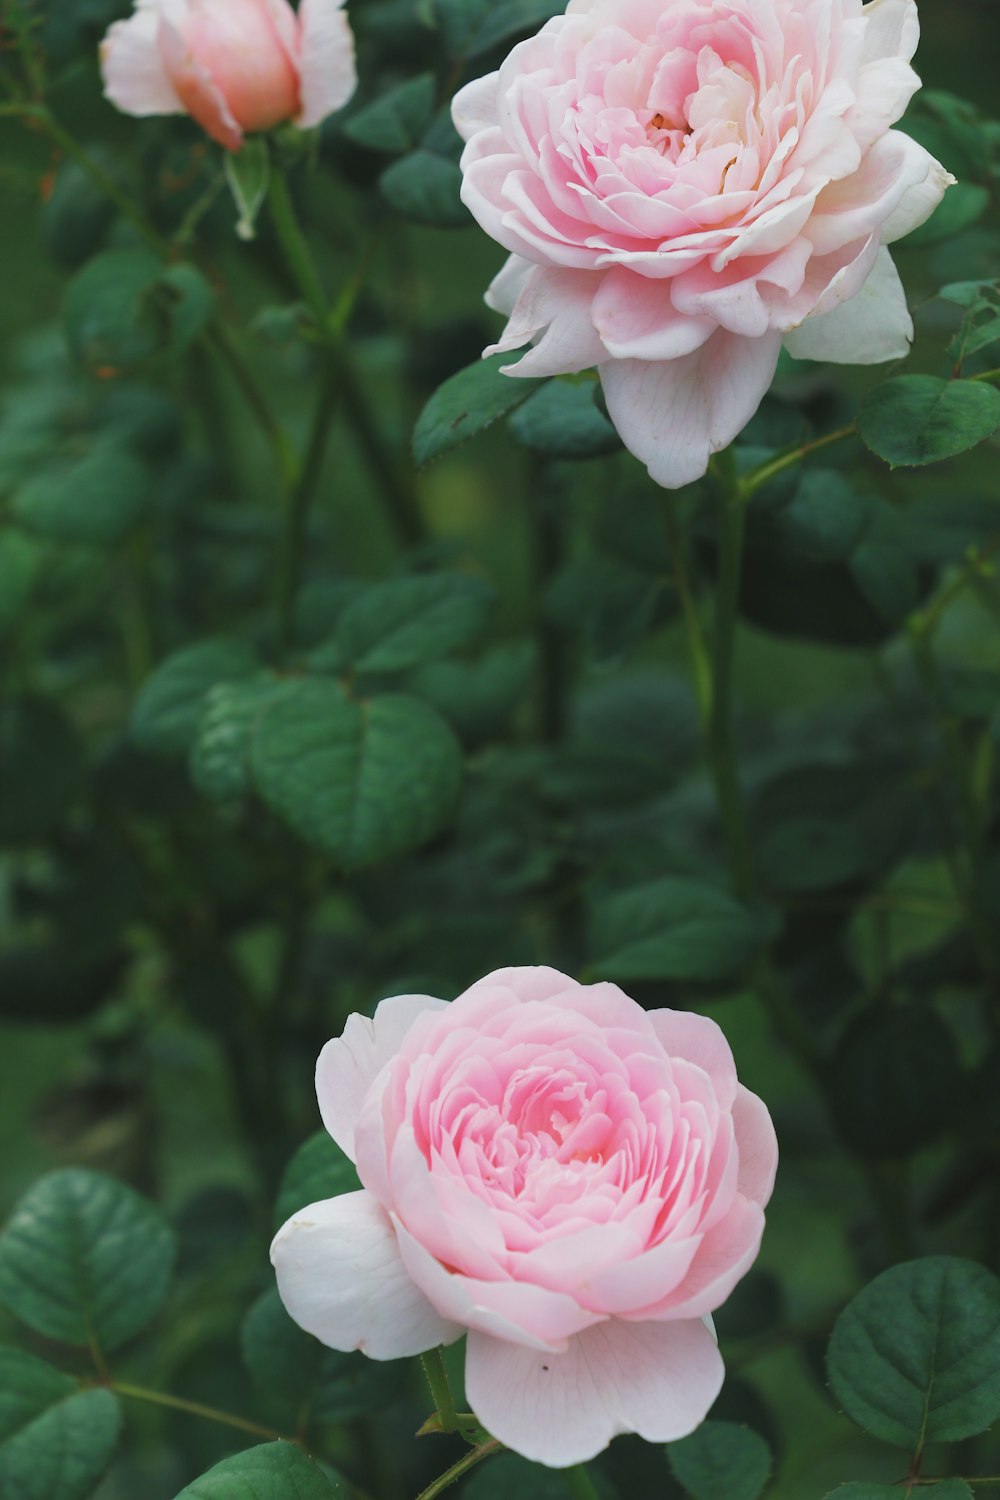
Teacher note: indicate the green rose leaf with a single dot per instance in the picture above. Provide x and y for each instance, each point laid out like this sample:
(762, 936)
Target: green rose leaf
(398, 624)
(721, 1461)
(273, 1471)
(126, 307)
(426, 187)
(920, 419)
(20, 564)
(97, 499)
(220, 755)
(167, 713)
(471, 27)
(394, 121)
(363, 781)
(562, 420)
(56, 1440)
(466, 404)
(915, 1357)
(675, 929)
(319, 1169)
(83, 1257)
(309, 1380)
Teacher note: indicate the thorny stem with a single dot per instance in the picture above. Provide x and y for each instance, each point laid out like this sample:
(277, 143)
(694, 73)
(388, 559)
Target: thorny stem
(450, 1476)
(437, 1379)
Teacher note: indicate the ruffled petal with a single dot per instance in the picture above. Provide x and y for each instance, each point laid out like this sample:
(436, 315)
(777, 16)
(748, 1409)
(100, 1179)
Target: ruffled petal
(349, 1064)
(198, 92)
(635, 319)
(135, 74)
(341, 1278)
(726, 1254)
(554, 308)
(872, 326)
(328, 72)
(656, 1379)
(475, 107)
(700, 1040)
(675, 415)
(861, 204)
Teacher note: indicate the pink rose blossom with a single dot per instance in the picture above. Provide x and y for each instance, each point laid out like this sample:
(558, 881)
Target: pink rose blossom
(233, 65)
(685, 185)
(573, 1182)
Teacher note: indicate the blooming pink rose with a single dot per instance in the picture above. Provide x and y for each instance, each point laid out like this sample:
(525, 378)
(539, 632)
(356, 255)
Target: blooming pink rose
(572, 1181)
(233, 65)
(687, 184)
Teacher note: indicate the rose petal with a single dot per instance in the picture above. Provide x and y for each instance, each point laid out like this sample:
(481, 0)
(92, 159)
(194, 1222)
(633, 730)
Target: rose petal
(556, 305)
(199, 95)
(757, 1145)
(872, 326)
(675, 415)
(341, 1278)
(658, 1380)
(726, 1254)
(328, 71)
(349, 1064)
(636, 319)
(701, 1041)
(135, 74)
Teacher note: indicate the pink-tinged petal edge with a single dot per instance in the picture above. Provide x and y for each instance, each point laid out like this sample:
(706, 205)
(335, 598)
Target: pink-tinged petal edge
(675, 415)
(656, 1379)
(341, 1277)
(199, 95)
(349, 1064)
(683, 1033)
(328, 70)
(136, 80)
(867, 329)
(757, 1145)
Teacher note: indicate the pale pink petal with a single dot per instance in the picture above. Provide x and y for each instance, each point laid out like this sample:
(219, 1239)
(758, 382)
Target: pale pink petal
(475, 106)
(341, 1278)
(700, 1040)
(675, 415)
(726, 1254)
(349, 1064)
(862, 203)
(642, 1281)
(328, 71)
(656, 1379)
(829, 281)
(917, 203)
(286, 27)
(508, 284)
(135, 75)
(892, 29)
(758, 1147)
(517, 1312)
(872, 326)
(527, 983)
(636, 319)
(554, 309)
(200, 96)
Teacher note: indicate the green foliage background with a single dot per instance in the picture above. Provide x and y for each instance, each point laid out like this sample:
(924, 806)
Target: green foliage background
(210, 854)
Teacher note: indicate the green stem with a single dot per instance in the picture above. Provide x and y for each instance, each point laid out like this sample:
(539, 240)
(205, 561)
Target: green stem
(399, 495)
(722, 754)
(197, 1409)
(299, 502)
(752, 481)
(579, 1483)
(437, 1379)
(218, 337)
(701, 668)
(452, 1475)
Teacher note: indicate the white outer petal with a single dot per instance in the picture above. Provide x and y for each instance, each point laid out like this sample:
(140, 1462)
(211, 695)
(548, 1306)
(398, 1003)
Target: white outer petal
(656, 1379)
(328, 72)
(349, 1064)
(675, 415)
(341, 1278)
(872, 326)
(135, 79)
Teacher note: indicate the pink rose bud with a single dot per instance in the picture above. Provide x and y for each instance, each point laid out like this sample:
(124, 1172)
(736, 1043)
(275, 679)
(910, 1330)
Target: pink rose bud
(686, 185)
(232, 65)
(572, 1181)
